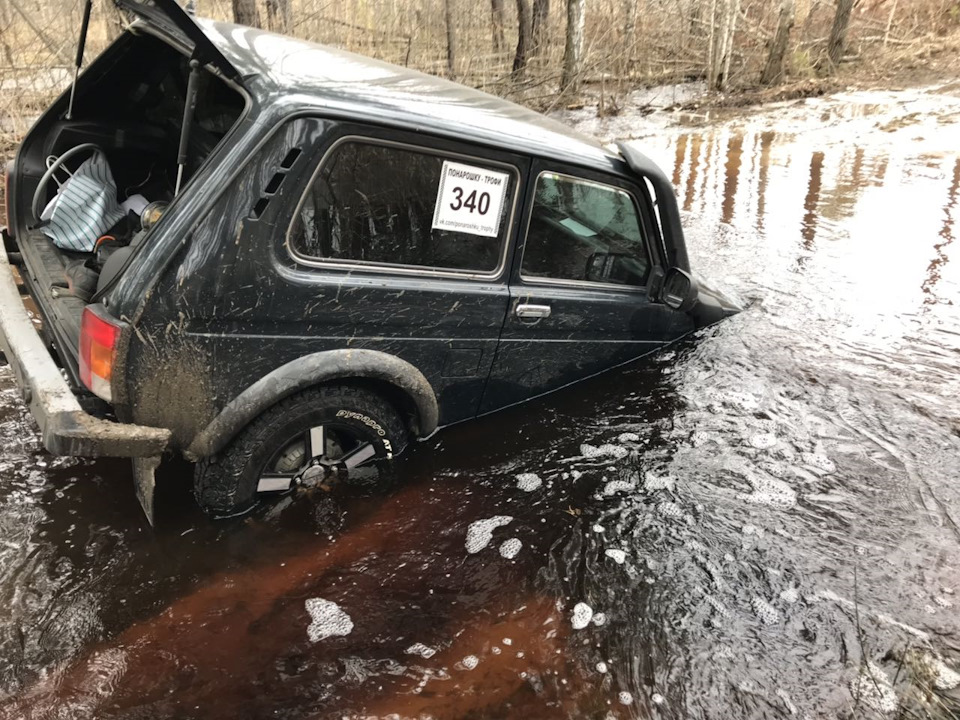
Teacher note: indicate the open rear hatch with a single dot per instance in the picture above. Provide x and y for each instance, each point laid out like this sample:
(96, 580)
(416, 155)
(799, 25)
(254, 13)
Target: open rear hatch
(132, 103)
(169, 17)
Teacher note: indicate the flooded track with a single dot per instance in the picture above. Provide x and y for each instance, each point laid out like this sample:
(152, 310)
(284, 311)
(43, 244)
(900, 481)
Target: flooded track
(761, 522)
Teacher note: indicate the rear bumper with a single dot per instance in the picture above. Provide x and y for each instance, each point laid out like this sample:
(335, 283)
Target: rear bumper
(65, 427)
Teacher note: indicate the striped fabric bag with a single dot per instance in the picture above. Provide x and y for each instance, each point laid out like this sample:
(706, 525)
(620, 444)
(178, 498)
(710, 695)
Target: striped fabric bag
(84, 208)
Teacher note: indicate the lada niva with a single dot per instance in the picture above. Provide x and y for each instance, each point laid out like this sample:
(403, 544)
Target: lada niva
(283, 261)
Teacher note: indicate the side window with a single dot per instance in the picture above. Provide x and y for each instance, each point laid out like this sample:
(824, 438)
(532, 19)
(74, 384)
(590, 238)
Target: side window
(585, 231)
(372, 203)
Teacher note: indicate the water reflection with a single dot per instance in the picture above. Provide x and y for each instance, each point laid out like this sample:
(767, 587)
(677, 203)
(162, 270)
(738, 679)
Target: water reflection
(758, 523)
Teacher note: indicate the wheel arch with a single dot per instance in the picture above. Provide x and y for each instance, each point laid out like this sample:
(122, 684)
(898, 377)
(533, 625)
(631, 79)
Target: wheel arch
(397, 380)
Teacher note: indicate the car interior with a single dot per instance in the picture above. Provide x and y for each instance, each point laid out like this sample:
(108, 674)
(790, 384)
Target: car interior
(129, 108)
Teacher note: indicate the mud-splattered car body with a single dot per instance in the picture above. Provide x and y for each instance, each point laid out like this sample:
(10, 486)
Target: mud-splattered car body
(259, 281)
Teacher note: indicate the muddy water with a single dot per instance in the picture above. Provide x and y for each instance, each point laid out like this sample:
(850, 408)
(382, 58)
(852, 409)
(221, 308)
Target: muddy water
(762, 522)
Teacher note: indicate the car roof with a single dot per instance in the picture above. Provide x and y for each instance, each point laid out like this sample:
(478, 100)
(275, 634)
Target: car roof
(317, 76)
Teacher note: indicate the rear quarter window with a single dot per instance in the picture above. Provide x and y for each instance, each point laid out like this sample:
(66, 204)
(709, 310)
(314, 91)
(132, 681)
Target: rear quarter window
(371, 203)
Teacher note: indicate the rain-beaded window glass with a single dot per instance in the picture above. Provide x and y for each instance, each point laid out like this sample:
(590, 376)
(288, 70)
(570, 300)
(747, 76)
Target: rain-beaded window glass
(584, 231)
(373, 203)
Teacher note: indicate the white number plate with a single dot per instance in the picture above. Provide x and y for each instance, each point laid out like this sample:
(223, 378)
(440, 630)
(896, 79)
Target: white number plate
(470, 199)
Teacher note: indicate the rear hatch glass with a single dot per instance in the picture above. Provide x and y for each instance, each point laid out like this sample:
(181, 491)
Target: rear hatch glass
(168, 16)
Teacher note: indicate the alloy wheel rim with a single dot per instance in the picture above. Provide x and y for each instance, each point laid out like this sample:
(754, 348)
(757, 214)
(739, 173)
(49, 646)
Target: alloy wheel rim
(319, 451)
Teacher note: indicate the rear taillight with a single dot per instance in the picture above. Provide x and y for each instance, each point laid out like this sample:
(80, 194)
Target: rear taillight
(98, 349)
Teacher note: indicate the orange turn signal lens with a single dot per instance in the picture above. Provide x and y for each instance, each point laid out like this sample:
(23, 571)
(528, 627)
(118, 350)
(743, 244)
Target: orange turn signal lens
(98, 349)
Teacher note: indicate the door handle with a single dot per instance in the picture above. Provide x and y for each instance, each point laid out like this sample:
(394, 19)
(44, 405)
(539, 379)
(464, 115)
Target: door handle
(532, 312)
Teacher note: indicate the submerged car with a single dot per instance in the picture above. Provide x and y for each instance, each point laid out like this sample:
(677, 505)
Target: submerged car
(283, 261)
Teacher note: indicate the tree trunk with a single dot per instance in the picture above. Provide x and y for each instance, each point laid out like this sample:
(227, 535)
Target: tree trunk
(773, 70)
(838, 33)
(278, 15)
(720, 51)
(524, 22)
(629, 31)
(497, 23)
(450, 20)
(539, 22)
(712, 46)
(728, 46)
(245, 13)
(573, 51)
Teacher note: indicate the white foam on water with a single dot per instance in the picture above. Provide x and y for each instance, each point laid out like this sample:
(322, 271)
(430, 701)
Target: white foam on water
(328, 620)
(601, 667)
(618, 556)
(510, 548)
(615, 486)
(819, 461)
(944, 677)
(771, 492)
(765, 611)
(873, 690)
(592, 452)
(670, 509)
(528, 482)
(654, 482)
(507, 641)
(598, 528)
(790, 595)
(625, 698)
(763, 441)
(424, 651)
(582, 615)
(628, 437)
(480, 533)
(470, 662)
(657, 699)
(598, 619)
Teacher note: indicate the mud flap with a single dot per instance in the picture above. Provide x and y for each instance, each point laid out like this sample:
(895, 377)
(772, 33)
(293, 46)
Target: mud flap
(145, 483)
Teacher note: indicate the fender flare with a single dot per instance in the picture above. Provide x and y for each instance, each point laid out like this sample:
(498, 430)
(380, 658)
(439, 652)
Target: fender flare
(310, 370)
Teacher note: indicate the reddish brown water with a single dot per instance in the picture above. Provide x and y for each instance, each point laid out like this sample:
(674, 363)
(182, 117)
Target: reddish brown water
(763, 520)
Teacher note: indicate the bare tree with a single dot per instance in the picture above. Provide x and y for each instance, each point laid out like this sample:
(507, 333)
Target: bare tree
(245, 12)
(773, 70)
(838, 33)
(278, 15)
(524, 29)
(720, 46)
(629, 31)
(497, 23)
(54, 48)
(573, 50)
(450, 20)
(540, 19)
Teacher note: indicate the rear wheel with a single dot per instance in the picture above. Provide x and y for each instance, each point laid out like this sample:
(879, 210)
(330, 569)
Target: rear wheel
(321, 433)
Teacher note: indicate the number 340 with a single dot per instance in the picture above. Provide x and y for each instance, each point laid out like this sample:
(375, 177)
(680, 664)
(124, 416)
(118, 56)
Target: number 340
(472, 202)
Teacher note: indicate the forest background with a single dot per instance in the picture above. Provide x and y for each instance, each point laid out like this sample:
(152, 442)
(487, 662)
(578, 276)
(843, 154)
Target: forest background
(544, 53)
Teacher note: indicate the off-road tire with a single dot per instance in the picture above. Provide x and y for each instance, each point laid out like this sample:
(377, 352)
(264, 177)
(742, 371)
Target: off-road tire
(226, 483)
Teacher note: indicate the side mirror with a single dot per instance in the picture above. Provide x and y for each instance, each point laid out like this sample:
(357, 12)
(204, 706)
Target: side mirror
(680, 291)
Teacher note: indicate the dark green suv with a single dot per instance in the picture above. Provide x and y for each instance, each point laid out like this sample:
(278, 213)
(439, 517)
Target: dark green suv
(284, 261)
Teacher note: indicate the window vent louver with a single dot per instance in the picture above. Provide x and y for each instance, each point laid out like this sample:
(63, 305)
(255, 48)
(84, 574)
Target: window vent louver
(273, 185)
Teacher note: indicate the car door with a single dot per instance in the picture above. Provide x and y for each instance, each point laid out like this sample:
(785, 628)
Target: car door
(578, 299)
(364, 256)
